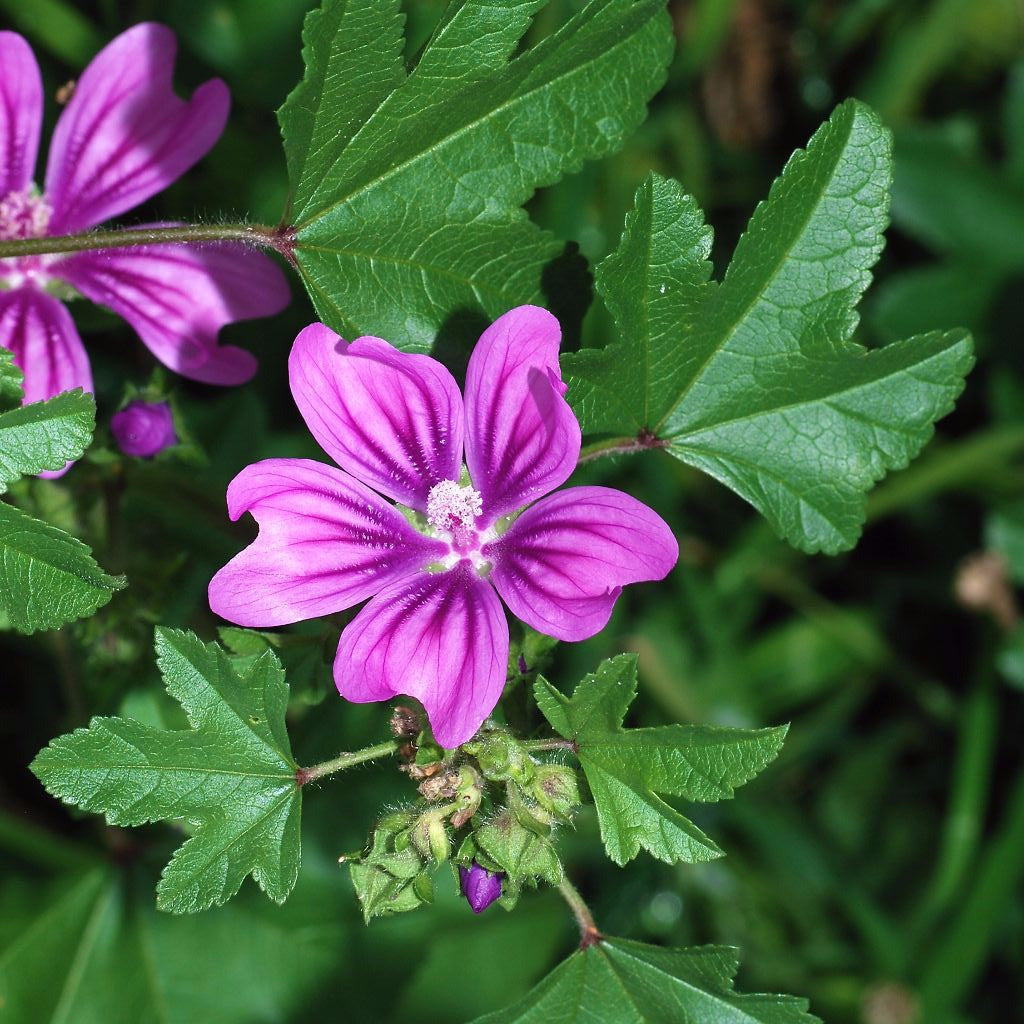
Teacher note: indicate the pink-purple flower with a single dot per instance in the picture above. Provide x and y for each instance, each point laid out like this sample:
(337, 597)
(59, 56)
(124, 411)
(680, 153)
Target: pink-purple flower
(397, 426)
(123, 137)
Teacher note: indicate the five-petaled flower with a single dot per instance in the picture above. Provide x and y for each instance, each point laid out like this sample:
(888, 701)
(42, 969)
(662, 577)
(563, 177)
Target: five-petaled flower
(123, 137)
(434, 627)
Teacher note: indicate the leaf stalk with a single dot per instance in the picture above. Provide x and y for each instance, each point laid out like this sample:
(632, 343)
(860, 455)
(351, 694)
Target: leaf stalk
(346, 760)
(280, 239)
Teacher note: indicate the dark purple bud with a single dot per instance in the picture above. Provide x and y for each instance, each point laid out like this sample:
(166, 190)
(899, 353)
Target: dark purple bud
(480, 886)
(522, 665)
(144, 428)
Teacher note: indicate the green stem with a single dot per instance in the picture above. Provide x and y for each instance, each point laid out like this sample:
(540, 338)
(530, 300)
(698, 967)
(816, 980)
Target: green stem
(643, 442)
(279, 239)
(551, 744)
(346, 760)
(589, 934)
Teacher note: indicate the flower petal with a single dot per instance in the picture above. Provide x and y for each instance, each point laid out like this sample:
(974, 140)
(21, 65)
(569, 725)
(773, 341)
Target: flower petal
(21, 112)
(522, 439)
(326, 542)
(178, 297)
(565, 560)
(124, 135)
(439, 637)
(46, 346)
(391, 419)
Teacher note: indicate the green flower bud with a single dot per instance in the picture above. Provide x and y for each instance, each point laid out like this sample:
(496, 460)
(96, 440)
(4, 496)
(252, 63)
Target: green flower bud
(555, 787)
(500, 758)
(468, 795)
(529, 812)
(430, 836)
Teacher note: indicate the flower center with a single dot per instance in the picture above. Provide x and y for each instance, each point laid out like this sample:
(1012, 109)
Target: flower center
(453, 509)
(24, 215)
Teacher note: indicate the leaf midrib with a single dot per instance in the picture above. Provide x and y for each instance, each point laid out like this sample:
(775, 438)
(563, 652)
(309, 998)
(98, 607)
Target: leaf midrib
(954, 337)
(473, 125)
(781, 263)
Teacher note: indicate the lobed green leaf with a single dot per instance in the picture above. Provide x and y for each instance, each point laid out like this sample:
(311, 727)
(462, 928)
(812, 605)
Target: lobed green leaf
(44, 435)
(629, 982)
(47, 577)
(627, 768)
(231, 775)
(408, 230)
(756, 380)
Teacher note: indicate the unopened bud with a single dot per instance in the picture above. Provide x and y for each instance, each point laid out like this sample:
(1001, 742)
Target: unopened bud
(430, 837)
(143, 429)
(529, 813)
(501, 758)
(555, 787)
(468, 795)
(480, 886)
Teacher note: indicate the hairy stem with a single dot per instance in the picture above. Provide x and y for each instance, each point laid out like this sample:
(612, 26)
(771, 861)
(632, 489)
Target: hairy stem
(281, 239)
(589, 934)
(551, 744)
(346, 760)
(643, 442)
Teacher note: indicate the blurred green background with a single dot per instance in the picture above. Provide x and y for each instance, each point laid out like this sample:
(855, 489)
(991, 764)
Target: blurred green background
(877, 868)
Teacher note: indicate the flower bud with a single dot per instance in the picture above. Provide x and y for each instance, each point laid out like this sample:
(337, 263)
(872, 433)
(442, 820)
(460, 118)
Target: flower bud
(142, 429)
(430, 837)
(501, 758)
(468, 796)
(480, 886)
(555, 788)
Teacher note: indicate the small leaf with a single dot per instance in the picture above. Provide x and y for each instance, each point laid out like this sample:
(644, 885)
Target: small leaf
(756, 380)
(44, 435)
(626, 768)
(619, 980)
(47, 577)
(232, 775)
(401, 232)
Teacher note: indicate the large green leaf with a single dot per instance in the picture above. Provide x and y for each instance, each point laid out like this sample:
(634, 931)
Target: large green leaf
(631, 983)
(97, 952)
(756, 380)
(231, 775)
(47, 578)
(626, 768)
(408, 187)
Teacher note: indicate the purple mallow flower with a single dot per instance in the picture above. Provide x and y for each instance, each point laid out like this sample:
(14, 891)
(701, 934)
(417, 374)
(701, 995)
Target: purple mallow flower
(434, 627)
(480, 886)
(123, 137)
(144, 428)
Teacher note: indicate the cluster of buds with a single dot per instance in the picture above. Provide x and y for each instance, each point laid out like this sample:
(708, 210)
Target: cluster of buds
(516, 840)
(505, 848)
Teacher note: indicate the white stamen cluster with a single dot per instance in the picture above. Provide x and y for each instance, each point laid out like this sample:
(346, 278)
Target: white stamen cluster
(24, 215)
(449, 506)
